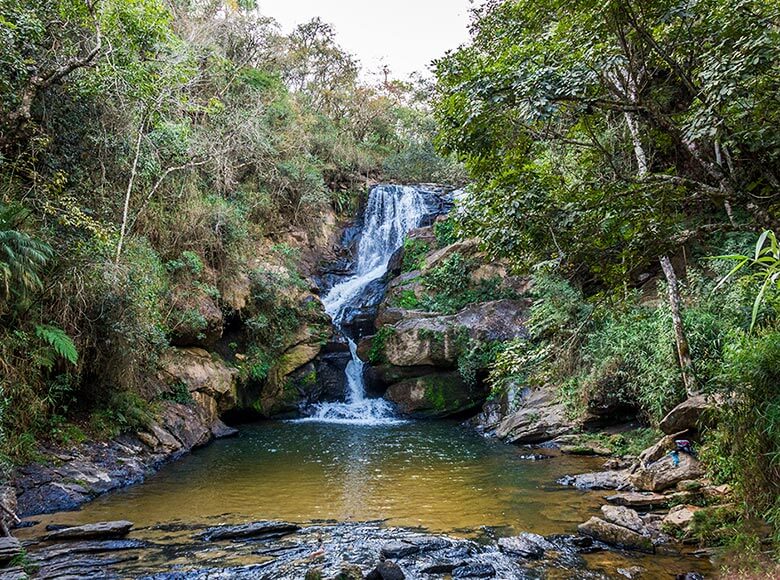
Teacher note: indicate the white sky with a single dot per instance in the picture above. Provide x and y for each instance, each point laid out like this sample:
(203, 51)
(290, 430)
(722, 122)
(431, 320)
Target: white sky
(406, 35)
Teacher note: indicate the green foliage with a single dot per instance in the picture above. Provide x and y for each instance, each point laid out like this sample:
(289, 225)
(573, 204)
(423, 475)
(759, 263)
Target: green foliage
(376, 355)
(446, 232)
(599, 138)
(21, 256)
(414, 254)
(179, 392)
(122, 412)
(766, 265)
(59, 341)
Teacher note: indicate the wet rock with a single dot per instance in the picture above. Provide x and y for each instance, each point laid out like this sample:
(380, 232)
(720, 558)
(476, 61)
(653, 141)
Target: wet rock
(386, 570)
(397, 550)
(435, 396)
(10, 547)
(615, 535)
(264, 529)
(631, 573)
(348, 573)
(639, 500)
(98, 531)
(440, 568)
(474, 571)
(526, 545)
(623, 516)
(597, 480)
(664, 474)
(588, 450)
(689, 576)
(688, 415)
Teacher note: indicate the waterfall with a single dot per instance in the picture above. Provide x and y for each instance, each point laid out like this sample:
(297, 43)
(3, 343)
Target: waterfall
(391, 212)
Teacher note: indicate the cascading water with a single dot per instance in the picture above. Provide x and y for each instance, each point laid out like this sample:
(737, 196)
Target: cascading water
(391, 212)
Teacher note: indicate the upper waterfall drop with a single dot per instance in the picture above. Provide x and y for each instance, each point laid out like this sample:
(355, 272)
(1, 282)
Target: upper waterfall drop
(392, 211)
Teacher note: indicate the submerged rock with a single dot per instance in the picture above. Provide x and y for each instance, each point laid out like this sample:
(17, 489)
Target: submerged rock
(474, 571)
(263, 529)
(98, 531)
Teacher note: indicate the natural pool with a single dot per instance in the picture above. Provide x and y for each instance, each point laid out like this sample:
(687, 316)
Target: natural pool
(437, 476)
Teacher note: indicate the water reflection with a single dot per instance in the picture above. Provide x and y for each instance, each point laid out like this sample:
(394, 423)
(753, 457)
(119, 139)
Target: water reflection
(435, 475)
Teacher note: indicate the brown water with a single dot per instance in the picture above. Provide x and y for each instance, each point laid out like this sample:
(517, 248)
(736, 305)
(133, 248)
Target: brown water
(437, 476)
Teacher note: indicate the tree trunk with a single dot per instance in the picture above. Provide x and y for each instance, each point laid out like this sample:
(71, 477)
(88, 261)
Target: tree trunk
(683, 349)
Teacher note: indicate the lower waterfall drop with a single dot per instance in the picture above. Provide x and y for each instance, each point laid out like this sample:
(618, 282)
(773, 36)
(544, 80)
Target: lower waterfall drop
(391, 212)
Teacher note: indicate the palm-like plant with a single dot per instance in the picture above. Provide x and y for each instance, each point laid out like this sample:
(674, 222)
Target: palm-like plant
(21, 255)
(765, 266)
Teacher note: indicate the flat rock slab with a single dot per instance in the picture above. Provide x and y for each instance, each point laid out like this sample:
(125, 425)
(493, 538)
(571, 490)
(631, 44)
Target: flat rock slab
(9, 548)
(249, 531)
(99, 531)
(597, 480)
(638, 500)
(474, 571)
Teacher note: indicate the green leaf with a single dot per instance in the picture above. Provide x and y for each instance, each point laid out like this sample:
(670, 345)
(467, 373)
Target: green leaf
(57, 339)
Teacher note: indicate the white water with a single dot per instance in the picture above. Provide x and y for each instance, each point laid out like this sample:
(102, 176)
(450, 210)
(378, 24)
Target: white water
(391, 212)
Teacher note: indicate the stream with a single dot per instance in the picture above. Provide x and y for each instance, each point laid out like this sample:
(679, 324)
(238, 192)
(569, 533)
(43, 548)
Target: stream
(357, 478)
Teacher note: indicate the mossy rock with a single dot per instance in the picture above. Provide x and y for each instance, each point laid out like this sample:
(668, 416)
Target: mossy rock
(436, 396)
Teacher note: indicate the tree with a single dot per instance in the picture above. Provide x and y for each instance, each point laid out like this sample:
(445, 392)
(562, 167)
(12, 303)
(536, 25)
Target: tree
(607, 135)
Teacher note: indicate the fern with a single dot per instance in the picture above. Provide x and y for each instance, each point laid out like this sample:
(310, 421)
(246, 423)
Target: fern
(59, 341)
(21, 255)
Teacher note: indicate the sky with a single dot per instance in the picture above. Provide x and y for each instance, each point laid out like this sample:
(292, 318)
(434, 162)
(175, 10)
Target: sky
(405, 35)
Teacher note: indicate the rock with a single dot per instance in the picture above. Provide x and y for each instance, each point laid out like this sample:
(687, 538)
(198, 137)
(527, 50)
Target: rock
(615, 535)
(349, 572)
(474, 571)
(386, 570)
(689, 576)
(590, 450)
(537, 417)
(264, 529)
(688, 415)
(664, 474)
(197, 320)
(623, 516)
(99, 531)
(597, 480)
(631, 573)
(397, 550)
(527, 545)
(8, 508)
(464, 248)
(435, 396)
(680, 517)
(201, 372)
(639, 500)
(10, 547)
(438, 341)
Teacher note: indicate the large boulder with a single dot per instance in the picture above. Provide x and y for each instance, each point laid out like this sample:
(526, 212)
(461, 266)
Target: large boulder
(436, 396)
(439, 340)
(688, 415)
(538, 417)
(202, 373)
(665, 473)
